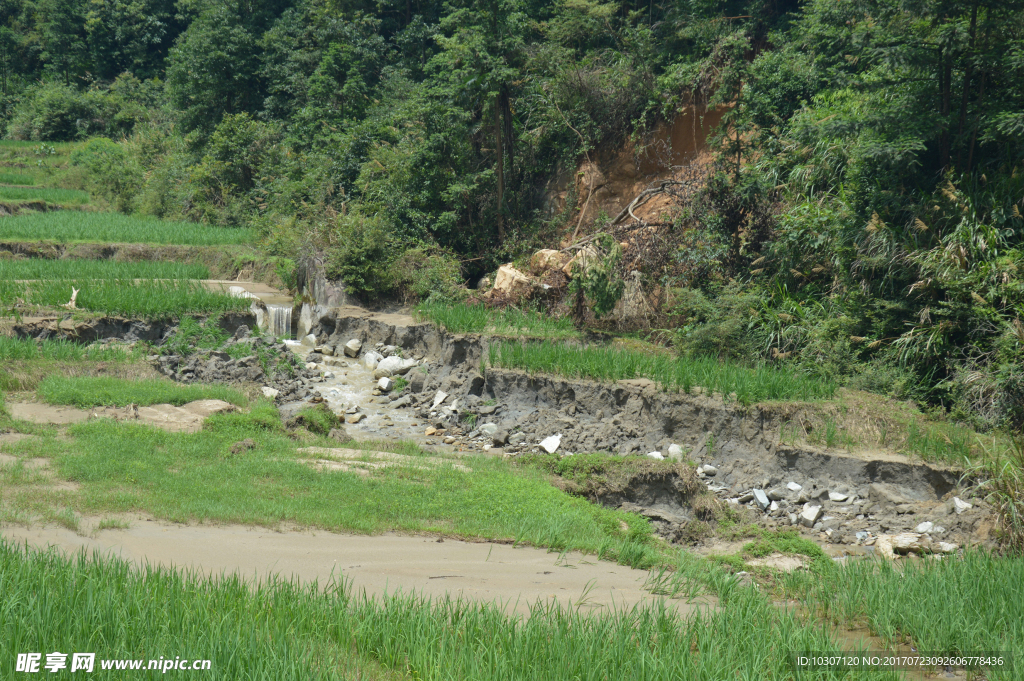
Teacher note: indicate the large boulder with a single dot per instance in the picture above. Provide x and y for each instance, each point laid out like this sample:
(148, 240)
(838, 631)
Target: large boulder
(586, 258)
(511, 283)
(394, 366)
(545, 260)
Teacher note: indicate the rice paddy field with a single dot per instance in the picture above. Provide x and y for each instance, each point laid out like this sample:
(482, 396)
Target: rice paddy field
(38, 268)
(82, 226)
(150, 299)
(744, 384)
(64, 197)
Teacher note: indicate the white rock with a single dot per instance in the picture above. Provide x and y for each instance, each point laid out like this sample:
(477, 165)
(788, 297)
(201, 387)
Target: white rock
(810, 515)
(709, 470)
(353, 347)
(489, 429)
(959, 505)
(309, 340)
(761, 499)
(328, 350)
(272, 393)
(311, 366)
(946, 547)
(793, 487)
(675, 452)
(371, 359)
(395, 366)
(794, 519)
(774, 506)
(883, 547)
(550, 444)
(385, 384)
(439, 397)
(924, 528)
(838, 497)
(328, 374)
(906, 542)
(656, 455)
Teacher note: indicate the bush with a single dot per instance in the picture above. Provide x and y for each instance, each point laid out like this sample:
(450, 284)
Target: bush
(58, 113)
(361, 255)
(419, 275)
(113, 172)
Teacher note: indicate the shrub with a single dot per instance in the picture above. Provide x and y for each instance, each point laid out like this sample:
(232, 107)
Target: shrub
(114, 174)
(421, 275)
(361, 255)
(58, 113)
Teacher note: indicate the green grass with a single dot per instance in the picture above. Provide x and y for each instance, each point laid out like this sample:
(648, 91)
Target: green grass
(48, 194)
(34, 268)
(154, 299)
(286, 630)
(749, 385)
(16, 178)
(183, 477)
(462, 318)
(79, 226)
(954, 606)
(102, 391)
(13, 349)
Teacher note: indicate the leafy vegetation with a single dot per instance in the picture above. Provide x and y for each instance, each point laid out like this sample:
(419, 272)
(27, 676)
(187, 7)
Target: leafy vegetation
(64, 197)
(14, 349)
(511, 321)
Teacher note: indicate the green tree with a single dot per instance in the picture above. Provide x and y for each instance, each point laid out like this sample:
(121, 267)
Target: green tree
(62, 27)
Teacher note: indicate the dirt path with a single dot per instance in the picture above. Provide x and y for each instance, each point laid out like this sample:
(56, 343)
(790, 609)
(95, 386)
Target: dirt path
(515, 577)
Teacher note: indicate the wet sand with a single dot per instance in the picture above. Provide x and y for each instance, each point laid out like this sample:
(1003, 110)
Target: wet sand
(514, 577)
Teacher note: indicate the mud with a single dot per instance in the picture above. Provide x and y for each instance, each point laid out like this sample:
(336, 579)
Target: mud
(91, 329)
(187, 418)
(513, 577)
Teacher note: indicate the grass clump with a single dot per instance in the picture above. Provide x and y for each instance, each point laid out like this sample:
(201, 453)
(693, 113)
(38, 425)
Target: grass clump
(286, 630)
(953, 606)
(317, 418)
(77, 226)
(152, 299)
(67, 197)
(14, 349)
(464, 318)
(747, 384)
(103, 391)
(34, 268)
(16, 178)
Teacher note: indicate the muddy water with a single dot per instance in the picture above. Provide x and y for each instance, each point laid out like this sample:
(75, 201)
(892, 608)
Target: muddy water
(514, 578)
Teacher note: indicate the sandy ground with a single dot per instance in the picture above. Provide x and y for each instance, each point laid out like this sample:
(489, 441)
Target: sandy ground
(513, 577)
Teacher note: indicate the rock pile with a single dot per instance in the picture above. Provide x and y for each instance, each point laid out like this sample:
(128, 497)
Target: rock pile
(242, 358)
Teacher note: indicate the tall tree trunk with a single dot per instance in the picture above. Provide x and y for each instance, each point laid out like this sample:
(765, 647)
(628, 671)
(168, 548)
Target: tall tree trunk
(968, 73)
(946, 96)
(498, 135)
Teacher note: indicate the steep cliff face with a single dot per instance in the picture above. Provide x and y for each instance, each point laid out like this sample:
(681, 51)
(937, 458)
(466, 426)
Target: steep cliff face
(612, 177)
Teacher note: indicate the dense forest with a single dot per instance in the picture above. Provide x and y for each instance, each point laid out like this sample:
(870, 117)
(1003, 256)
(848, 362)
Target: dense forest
(861, 218)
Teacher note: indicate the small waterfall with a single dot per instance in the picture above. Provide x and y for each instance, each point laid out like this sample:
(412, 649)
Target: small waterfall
(280, 323)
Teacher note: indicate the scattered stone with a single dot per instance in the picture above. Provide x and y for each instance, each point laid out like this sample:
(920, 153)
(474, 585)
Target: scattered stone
(272, 393)
(793, 519)
(906, 542)
(353, 347)
(355, 418)
(776, 495)
(551, 444)
(243, 446)
(945, 547)
(656, 455)
(862, 535)
(924, 528)
(709, 470)
(487, 410)
(309, 340)
(744, 498)
(449, 440)
(499, 438)
(340, 435)
(394, 366)
(385, 384)
(794, 487)
(774, 506)
(883, 547)
(488, 429)
(809, 516)
(327, 350)
(439, 397)
(761, 499)
(838, 497)
(430, 431)
(675, 452)
(959, 505)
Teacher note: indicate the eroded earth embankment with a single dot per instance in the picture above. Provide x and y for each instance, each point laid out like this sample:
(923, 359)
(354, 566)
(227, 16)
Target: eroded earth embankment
(844, 497)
